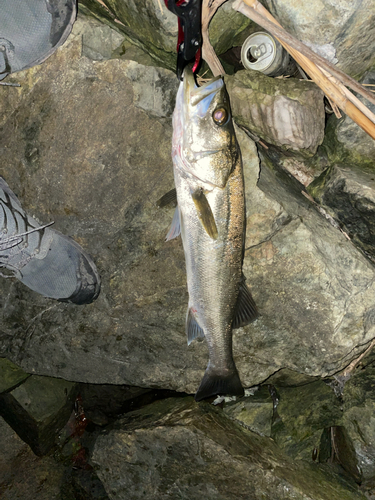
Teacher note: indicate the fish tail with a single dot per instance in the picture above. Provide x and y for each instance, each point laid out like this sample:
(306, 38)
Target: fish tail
(214, 383)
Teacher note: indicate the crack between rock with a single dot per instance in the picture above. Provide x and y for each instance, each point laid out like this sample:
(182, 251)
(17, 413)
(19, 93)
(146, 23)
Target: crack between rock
(270, 236)
(358, 346)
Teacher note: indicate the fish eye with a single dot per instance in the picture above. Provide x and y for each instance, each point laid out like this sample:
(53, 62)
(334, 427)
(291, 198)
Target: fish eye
(220, 116)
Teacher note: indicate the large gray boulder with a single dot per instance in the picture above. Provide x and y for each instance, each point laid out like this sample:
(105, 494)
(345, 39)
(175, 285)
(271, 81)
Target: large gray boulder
(177, 449)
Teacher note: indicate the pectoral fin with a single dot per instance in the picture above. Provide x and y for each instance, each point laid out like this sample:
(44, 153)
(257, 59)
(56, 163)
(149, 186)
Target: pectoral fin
(204, 212)
(246, 309)
(193, 330)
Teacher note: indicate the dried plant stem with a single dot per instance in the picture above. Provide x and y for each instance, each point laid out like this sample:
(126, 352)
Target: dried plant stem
(365, 110)
(355, 361)
(209, 7)
(110, 12)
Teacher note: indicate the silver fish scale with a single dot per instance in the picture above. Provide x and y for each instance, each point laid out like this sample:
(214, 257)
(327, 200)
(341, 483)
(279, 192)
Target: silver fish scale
(213, 267)
(211, 203)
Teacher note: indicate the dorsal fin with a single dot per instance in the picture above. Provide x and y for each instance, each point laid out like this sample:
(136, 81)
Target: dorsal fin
(193, 329)
(204, 212)
(246, 310)
(169, 198)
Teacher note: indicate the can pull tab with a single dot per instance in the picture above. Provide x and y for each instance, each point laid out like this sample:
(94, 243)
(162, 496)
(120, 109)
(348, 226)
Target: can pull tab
(261, 52)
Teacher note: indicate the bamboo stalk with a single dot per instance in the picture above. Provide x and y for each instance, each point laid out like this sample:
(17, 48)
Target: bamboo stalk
(336, 93)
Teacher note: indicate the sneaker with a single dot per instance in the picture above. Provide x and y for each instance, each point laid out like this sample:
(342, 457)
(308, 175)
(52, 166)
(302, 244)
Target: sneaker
(31, 30)
(43, 259)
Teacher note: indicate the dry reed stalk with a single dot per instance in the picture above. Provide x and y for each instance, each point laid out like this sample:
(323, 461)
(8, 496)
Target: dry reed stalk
(209, 7)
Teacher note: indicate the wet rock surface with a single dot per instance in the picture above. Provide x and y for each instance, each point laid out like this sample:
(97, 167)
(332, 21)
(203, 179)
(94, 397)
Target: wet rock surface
(85, 142)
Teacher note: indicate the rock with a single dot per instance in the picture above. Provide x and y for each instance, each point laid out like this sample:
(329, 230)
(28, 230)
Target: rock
(154, 89)
(139, 271)
(286, 113)
(84, 146)
(253, 412)
(102, 403)
(99, 41)
(148, 27)
(228, 29)
(152, 27)
(306, 278)
(358, 417)
(24, 475)
(10, 447)
(289, 378)
(347, 193)
(38, 409)
(302, 415)
(347, 26)
(83, 484)
(346, 142)
(10, 375)
(194, 451)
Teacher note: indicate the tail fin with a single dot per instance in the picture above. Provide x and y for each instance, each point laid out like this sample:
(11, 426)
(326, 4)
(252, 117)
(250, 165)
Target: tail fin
(216, 383)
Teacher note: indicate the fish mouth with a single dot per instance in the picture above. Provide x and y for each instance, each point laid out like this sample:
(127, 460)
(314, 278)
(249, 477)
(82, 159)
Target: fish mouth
(193, 93)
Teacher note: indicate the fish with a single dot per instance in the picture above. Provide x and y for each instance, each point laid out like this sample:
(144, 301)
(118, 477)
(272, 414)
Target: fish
(211, 218)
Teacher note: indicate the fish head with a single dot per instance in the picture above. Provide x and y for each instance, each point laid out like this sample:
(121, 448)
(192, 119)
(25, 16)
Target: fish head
(203, 134)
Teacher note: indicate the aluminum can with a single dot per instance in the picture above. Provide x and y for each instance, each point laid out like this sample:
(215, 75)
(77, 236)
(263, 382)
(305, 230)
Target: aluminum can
(262, 52)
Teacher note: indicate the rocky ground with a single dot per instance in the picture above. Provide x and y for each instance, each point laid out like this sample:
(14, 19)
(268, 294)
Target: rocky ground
(95, 399)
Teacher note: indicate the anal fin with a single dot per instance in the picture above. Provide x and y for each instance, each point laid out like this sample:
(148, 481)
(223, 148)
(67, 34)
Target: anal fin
(193, 329)
(246, 310)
